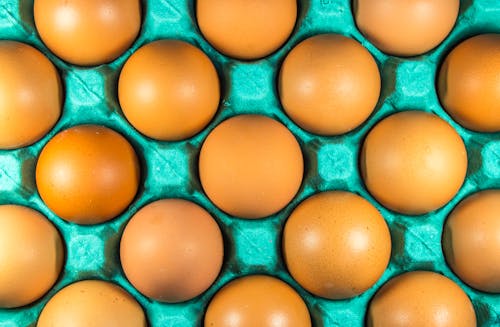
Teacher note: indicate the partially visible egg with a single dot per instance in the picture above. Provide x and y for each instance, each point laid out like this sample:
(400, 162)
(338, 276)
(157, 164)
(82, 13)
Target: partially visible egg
(420, 298)
(257, 300)
(246, 29)
(93, 303)
(405, 28)
(471, 240)
(87, 174)
(169, 90)
(413, 162)
(172, 250)
(87, 32)
(336, 244)
(469, 83)
(329, 84)
(30, 95)
(251, 166)
(31, 255)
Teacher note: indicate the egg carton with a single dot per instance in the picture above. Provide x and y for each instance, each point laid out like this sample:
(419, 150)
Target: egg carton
(169, 169)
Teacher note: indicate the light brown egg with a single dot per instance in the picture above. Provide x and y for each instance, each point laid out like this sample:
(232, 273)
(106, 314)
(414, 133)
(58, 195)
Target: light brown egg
(405, 28)
(421, 298)
(469, 83)
(251, 166)
(471, 240)
(88, 32)
(31, 95)
(87, 174)
(169, 90)
(246, 29)
(336, 244)
(257, 300)
(329, 84)
(172, 250)
(413, 162)
(31, 255)
(93, 303)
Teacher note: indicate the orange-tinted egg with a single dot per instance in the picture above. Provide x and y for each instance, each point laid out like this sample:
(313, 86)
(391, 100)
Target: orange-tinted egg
(30, 95)
(469, 83)
(405, 28)
(336, 244)
(31, 255)
(87, 174)
(93, 303)
(246, 29)
(471, 240)
(329, 84)
(421, 298)
(257, 300)
(171, 250)
(169, 90)
(251, 166)
(88, 32)
(413, 162)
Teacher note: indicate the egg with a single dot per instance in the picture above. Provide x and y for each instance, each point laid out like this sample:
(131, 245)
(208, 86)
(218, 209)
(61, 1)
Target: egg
(246, 29)
(31, 95)
(257, 300)
(171, 250)
(31, 253)
(93, 303)
(336, 244)
(87, 32)
(329, 84)
(421, 298)
(169, 90)
(405, 28)
(87, 174)
(413, 162)
(469, 83)
(251, 166)
(471, 241)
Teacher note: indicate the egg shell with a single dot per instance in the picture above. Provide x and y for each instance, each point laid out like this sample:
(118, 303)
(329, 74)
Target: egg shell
(171, 250)
(92, 303)
(257, 300)
(87, 32)
(32, 255)
(31, 95)
(471, 241)
(405, 28)
(242, 29)
(88, 174)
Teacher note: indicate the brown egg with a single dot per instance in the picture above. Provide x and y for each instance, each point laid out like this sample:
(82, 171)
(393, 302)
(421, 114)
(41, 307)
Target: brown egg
(31, 95)
(87, 174)
(88, 32)
(413, 162)
(169, 90)
(257, 300)
(421, 298)
(329, 84)
(251, 166)
(405, 28)
(31, 255)
(471, 241)
(172, 250)
(93, 303)
(336, 244)
(469, 80)
(246, 29)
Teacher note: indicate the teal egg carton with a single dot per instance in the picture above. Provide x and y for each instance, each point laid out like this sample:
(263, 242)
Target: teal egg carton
(169, 169)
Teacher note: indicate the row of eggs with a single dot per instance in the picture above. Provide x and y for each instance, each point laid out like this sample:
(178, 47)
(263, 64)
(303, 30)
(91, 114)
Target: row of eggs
(169, 90)
(335, 244)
